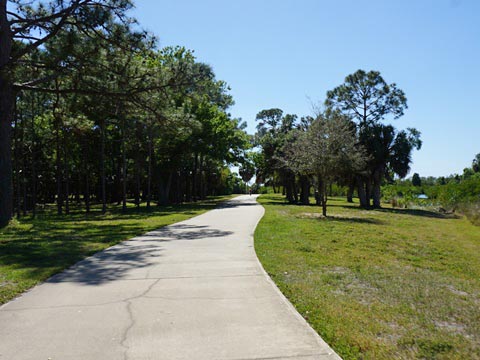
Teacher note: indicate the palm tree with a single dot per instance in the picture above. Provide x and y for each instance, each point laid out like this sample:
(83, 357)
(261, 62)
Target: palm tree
(390, 153)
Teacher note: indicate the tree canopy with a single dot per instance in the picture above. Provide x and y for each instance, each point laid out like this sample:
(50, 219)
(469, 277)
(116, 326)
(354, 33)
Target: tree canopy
(92, 110)
(348, 143)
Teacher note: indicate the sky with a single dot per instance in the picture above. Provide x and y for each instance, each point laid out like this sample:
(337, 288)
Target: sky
(288, 53)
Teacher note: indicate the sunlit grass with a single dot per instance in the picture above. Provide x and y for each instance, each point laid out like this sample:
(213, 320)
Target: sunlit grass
(379, 284)
(31, 250)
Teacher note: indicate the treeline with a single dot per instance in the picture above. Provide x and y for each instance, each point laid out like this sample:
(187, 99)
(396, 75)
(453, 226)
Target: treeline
(93, 111)
(347, 143)
(446, 193)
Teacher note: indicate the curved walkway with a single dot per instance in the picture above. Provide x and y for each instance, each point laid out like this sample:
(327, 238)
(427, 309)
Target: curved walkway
(192, 290)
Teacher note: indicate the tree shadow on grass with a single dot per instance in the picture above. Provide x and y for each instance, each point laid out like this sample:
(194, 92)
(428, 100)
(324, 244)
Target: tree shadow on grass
(115, 212)
(283, 203)
(419, 212)
(129, 214)
(412, 212)
(354, 220)
(51, 245)
(356, 207)
(337, 218)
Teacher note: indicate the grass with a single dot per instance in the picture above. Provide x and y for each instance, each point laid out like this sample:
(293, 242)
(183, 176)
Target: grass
(380, 284)
(32, 250)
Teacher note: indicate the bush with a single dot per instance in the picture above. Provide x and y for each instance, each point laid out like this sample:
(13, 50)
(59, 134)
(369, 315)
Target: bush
(258, 189)
(471, 211)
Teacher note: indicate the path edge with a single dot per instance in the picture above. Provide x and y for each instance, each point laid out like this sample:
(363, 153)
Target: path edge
(330, 352)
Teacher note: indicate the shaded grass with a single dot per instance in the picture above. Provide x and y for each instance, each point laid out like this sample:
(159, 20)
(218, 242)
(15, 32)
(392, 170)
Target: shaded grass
(378, 284)
(31, 250)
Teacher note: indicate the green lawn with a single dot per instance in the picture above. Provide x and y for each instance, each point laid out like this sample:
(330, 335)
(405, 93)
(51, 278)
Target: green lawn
(33, 250)
(383, 284)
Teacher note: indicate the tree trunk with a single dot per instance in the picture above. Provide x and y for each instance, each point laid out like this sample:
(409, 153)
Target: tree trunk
(24, 184)
(149, 175)
(87, 193)
(362, 196)
(295, 188)
(86, 173)
(304, 190)
(7, 100)
(16, 182)
(58, 167)
(102, 168)
(67, 174)
(351, 189)
(34, 165)
(137, 181)
(368, 190)
(377, 179)
(201, 181)
(194, 177)
(124, 167)
(288, 192)
(324, 198)
(318, 193)
(188, 193)
(164, 193)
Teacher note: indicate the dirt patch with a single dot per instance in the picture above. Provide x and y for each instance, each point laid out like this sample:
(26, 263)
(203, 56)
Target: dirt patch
(457, 292)
(451, 327)
(310, 216)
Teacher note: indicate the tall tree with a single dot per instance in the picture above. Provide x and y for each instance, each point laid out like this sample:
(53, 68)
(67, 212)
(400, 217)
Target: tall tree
(368, 99)
(476, 163)
(274, 131)
(24, 28)
(416, 181)
(389, 153)
(247, 167)
(326, 151)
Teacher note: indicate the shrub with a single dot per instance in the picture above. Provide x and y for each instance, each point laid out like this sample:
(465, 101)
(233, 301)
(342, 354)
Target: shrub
(472, 212)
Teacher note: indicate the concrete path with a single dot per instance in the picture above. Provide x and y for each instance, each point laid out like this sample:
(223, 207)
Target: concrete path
(192, 290)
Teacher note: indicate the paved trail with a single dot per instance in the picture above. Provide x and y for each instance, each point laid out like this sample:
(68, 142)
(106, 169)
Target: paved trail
(192, 290)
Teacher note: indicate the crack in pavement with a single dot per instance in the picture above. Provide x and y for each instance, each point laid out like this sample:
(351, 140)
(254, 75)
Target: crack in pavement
(287, 357)
(5, 309)
(209, 298)
(128, 302)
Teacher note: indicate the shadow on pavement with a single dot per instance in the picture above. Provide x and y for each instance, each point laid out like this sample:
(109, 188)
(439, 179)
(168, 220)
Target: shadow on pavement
(181, 232)
(118, 261)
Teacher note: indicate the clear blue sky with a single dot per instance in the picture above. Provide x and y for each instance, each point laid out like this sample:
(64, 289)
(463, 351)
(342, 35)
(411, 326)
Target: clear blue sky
(287, 53)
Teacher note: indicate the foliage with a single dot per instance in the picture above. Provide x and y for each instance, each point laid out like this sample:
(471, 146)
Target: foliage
(447, 194)
(289, 152)
(416, 181)
(102, 115)
(368, 99)
(326, 150)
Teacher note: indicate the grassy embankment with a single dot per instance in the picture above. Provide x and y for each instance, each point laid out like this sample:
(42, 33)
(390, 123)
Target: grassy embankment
(382, 284)
(31, 250)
